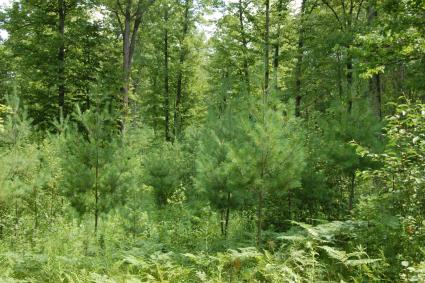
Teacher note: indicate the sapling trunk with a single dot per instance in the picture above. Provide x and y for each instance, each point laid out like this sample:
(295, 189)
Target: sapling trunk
(259, 217)
(61, 58)
(226, 224)
(352, 191)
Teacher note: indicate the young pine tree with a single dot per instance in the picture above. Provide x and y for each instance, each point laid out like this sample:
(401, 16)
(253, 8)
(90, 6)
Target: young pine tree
(216, 172)
(21, 179)
(94, 163)
(269, 154)
(255, 151)
(166, 169)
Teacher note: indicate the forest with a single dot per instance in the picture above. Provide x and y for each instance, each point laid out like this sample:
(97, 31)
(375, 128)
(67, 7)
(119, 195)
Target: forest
(212, 141)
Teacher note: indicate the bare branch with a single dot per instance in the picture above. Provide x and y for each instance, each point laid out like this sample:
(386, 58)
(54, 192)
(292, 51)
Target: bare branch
(351, 7)
(344, 10)
(359, 9)
(334, 12)
(119, 21)
(120, 7)
(313, 6)
(138, 13)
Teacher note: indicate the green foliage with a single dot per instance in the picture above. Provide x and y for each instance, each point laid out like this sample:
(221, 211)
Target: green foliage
(16, 126)
(271, 126)
(92, 149)
(401, 176)
(217, 173)
(394, 206)
(166, 170)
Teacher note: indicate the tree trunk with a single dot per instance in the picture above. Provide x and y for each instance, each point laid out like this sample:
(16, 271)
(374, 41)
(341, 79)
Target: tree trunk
(267, 49)
(350, 59)
(96, 192)
(244, 48)
(166, 79)
(35, 208)
(376, 95)
(126, 61)
(276, 66)
(340, 74)
(276, 47)
(259, 217)
(350, 81)
(352, 191)
(222, 217)
(375, 90)
(129, 34)
(289, 205)
(61, 57)
(226, 224)
(182, 58)
(300, 55)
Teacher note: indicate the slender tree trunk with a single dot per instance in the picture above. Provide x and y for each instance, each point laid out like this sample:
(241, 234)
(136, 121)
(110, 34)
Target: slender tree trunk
(222, 217)
(376, 95)
(259, 217)
(35, 208)
(16, 218)
(166, 80)
(276, 46)
(276, 66)
(289, 205)
(267, 49)
(226, 226)
(134, 224)
(129, 32)
(350, 81)
(126, 61)
(96, 192)
(352, 191)
(52, 200)
(340, 74)
(350, 60)
(244, 48)
(61, 57)
(300, 55)
(375, 90)
(182, 58)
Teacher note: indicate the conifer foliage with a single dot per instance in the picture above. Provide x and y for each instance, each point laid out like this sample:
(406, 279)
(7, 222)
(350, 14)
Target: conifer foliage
(92, 151)
(212, 141)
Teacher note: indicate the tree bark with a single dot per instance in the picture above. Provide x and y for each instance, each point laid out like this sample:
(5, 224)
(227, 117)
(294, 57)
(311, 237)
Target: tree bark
(129, 31)
(300, 55)
(182, 58)
(352, 192)
(226, 224)
(166, 79)
(375, 90)
(259, 218)
(349, 66)
(267, 49)
(244, 48)
(61, 58)
(276, 46)
(96, 195)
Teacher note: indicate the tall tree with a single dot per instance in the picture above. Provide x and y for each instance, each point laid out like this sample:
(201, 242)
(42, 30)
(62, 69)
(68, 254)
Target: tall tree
(266, 48)
(129, 15)
(300, 52)
(166, 77)
(281, 6)
(55, 69)
(375, 89)
(186, 22)
(347, 16)
(61, 56)
(244, 42)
